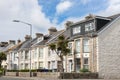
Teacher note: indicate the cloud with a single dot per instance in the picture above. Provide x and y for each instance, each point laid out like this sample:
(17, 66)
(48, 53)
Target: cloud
(63, 6)
(112, 8)
(85, 1)
(25, 10)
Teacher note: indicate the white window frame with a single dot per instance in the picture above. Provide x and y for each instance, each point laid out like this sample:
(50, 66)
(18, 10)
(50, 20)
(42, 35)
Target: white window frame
(41, 53)
(76, 46)
(89, 26)
(86, 45)
(40, 64)
(77, 30)
(70, 46)
(84, 64)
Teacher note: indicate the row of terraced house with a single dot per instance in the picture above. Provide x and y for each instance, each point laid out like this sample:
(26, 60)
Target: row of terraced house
(94, 44)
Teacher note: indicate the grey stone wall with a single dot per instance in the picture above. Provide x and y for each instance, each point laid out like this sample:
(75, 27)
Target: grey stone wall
(109, 51)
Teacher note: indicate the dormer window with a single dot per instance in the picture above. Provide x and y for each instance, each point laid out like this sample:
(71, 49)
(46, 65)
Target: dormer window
(76, 30)
(89, 27)
(40, 39)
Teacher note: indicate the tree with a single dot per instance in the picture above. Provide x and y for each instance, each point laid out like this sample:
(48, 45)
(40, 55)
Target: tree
(61, 49)
(2, 57)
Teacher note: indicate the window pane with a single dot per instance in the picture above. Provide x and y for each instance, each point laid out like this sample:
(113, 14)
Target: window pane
(40, 64)
(85, 60)
(89, 26)
(86, 47)
(70, 47)
(76, 30)
(41, 52)
(77, 46)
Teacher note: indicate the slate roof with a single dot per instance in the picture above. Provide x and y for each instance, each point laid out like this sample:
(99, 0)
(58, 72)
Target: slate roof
(2, 49)
(113, 17)
(27, 44)
(93, 17)
(54, 36)
(16, 47)
(8, 47)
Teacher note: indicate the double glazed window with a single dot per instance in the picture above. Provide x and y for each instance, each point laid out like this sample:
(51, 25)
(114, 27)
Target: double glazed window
(76, 30)
(89, 27)
(40, 64)
(26, 54)
(86, 44)
(77, 46)
(41, 52)
(86, 64)
(70, 47)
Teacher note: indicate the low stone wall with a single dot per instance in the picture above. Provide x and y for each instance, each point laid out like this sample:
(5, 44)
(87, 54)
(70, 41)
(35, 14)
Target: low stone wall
(11, 74)
(55, 75)
(24, 74)
(79, 76)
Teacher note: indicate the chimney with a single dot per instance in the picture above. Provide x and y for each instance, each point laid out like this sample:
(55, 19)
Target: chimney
(18, 41)
(52, 30)
(3, 44)
(11, 41)
(38, 35)
(27, 37)
(89, 16)
(67, 24)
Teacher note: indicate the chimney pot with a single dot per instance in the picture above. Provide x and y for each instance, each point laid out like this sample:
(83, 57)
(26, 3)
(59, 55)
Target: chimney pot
(67, 24)
(27, 37)
(11, 41)
(52, 30)
(39, 35)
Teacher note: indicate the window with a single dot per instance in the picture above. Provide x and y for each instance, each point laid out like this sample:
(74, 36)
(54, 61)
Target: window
(26, 65)
(76, 30)
(35, 65)
(70, 47)
(86, 47)
(41, 52)
(40, 39)
(53, 64)
(22, 66)
(77, 46)
(77, 64)
(89, 27)
(49, 52)
(22, 56)
(48, 64)
(26, 54)
(70, 65)
(40, 64)
(85, 63)
(15, 55)
(35, 54)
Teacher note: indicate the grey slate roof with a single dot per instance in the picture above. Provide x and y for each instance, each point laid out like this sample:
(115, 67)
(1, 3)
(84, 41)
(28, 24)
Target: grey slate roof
(113, 17)
(2, 49)
(27, 44)
(54, 36)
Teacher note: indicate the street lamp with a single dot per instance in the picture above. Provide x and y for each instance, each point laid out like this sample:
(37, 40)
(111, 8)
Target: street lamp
(30, 25)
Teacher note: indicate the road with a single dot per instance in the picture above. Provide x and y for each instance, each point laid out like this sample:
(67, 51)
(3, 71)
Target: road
(14, 78)
(35, 78)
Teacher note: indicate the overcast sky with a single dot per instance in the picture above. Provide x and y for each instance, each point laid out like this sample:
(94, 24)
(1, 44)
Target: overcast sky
(43, 14)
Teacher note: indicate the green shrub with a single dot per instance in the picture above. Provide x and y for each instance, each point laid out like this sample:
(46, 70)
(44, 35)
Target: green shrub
(12, 70)
(24, 70)
(0, 72)
(84, 70)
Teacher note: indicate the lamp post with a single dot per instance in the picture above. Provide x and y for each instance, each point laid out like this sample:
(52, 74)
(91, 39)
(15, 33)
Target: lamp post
(30, 25)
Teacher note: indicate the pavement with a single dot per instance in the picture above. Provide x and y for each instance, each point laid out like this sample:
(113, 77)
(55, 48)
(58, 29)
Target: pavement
(37, 78)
